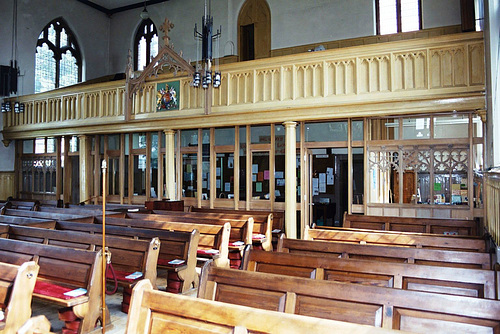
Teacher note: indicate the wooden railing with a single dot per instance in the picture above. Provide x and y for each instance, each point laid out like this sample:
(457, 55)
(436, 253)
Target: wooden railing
(316, 85)
(492, 204)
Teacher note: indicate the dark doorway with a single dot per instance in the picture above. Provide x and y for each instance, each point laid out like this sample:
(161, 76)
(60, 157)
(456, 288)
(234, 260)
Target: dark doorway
(247, 42)
(75, 179)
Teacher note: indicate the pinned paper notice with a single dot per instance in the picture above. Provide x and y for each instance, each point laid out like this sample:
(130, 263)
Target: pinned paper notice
(76, 292)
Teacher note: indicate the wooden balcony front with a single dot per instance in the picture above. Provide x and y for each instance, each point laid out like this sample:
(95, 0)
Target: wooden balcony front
(421, 75)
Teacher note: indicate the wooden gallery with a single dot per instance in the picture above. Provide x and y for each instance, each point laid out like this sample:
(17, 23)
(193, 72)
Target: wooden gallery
(291, 167)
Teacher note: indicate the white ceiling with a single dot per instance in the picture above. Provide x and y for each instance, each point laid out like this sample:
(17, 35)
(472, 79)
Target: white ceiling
(112, 4)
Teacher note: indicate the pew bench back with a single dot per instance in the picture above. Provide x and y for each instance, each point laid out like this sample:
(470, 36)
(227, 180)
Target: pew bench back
(436, 257)
(458, 281)
(175, 245)
(214, 239)
(368, 305)
(127, 255)
(373, 237)
(62, 270)
(410, 224)
(183, 314)
(261, 228)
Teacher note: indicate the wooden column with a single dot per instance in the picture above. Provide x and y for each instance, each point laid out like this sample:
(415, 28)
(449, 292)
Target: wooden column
(85, 172)
(290, 180)
(170, 164)
(66, 172)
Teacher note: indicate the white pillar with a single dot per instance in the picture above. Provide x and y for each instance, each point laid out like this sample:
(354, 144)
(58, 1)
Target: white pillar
(290, 180)
(170, 164)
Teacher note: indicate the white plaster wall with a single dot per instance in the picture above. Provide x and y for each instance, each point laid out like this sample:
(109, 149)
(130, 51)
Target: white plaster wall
(183, 14)
(440, 13)
(90, 27)
(307, 22)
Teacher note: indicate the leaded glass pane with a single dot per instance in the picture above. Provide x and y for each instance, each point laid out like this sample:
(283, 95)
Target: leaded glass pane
(51, 145)
(154, 46)
(52, 34)
(39, 145)
(64, 38)
(141, 62)
(69, 70)
(409, 15)
(45, 69)
(387, 17)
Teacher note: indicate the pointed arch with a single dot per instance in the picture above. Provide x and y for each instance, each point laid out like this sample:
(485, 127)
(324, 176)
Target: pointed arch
(145, 44)
(254, 30)
(58, 60)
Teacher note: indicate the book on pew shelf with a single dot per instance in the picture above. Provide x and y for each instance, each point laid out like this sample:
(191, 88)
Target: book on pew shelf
(208, 251)
(258, 236)
(76, 293)
(176, 262)
(135, 275)
(236, 243)
(276, 230)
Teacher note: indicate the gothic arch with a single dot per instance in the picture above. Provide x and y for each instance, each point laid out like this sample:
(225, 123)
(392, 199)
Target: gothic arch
(254, 30)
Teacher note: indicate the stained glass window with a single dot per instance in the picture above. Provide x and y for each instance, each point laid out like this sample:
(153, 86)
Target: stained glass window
(146, 44)
(57, 60)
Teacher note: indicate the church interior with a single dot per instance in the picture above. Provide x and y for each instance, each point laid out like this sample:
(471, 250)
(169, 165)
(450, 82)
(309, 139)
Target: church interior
(249, 166)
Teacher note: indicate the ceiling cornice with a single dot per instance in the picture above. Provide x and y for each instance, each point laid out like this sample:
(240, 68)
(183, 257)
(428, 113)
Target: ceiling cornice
(112, 11)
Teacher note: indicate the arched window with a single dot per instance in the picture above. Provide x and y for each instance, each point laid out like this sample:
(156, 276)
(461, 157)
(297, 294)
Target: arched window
(146, 44)
(58, 62)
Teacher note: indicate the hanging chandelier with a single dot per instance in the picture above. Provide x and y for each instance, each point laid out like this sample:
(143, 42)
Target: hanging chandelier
(203, 73)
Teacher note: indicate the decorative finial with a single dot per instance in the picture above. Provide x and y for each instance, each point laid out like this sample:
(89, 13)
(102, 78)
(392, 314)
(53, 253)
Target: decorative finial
(165, 28)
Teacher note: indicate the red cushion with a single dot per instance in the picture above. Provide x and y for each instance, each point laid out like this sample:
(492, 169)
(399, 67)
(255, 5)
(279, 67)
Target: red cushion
(120, 276)
(52, 290)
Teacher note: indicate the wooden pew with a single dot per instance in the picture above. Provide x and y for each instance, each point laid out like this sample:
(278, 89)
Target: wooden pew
(407, 310)
(21, 204)
(390, 238)
(63, 270)
(457, 281)
(24, 221)
(262, 223)
(241, 229)
(278, 216)
(213, 242)
(180, 247)
(51, 203)
(79, 210)
(40, 215)
(16, 289)
(410, 224)
(182, 314)
(435, 257)
(128, 256)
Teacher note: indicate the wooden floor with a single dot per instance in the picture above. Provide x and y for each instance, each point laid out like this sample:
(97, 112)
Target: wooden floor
(118, 318)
